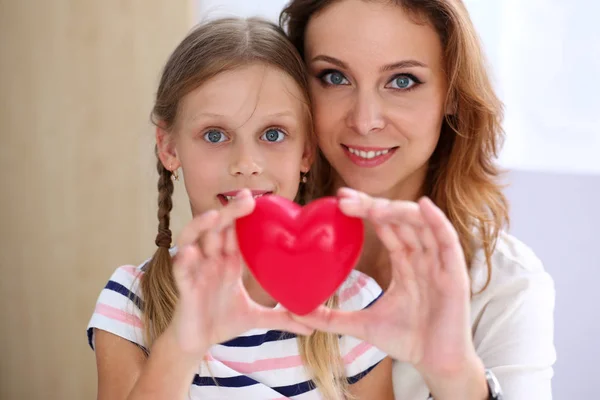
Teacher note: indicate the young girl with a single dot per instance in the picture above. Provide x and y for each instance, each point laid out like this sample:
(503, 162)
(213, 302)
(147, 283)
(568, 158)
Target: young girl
(232, 111)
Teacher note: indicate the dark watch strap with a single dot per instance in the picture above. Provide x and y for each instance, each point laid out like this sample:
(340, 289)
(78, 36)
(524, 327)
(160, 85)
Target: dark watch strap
(494, 390)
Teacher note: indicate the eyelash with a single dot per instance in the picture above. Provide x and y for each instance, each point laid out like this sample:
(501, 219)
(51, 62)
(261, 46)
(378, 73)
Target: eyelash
(417, 81)
(222, 132)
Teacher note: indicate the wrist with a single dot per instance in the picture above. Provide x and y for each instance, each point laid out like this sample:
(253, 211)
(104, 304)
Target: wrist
(466, 380)
(170, 343)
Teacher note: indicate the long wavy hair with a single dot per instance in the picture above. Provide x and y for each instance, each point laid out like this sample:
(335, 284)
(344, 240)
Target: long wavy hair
(210, 49)
(463, 177)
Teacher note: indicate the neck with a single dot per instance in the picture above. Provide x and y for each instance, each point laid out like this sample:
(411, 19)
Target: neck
(374, 260)
(255, 291)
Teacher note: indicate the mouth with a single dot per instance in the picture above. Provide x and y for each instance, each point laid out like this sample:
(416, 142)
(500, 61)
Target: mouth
(369, 156)
(226, 197)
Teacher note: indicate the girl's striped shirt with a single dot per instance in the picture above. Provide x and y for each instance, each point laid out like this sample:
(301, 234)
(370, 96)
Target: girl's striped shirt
(259, 364)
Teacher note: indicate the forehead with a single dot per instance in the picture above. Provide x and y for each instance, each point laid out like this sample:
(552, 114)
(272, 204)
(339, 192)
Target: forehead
(244, 92)
(371, 32)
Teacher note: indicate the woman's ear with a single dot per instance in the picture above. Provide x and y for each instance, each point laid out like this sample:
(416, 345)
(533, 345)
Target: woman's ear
(451, 103)
(165, 148)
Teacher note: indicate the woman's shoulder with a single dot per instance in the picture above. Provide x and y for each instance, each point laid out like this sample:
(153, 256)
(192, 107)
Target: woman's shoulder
(512, 261)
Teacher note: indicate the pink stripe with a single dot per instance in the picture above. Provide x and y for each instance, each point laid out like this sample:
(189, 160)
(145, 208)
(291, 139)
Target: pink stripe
(356, 352)
(353, 290)
(269, 364)
(133, 270)
(118, 315)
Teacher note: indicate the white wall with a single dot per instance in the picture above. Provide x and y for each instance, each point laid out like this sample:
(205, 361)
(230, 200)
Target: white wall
(546, 58)
(225, 8)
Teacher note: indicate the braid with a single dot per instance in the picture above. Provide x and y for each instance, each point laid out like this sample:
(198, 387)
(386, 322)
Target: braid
(157, 283)
(165, 205)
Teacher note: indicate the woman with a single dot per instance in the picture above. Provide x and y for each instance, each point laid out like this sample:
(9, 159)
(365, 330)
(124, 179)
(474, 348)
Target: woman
(404, 108)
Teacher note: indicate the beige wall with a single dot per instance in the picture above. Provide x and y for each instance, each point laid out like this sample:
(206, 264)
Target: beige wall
(76, 85)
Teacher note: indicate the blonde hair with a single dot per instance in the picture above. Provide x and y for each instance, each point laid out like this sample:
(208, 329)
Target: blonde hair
(208, 50)
(463, 177)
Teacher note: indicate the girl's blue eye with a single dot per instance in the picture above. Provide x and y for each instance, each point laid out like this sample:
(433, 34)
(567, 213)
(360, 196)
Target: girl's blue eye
(334, 78)
(403, 82)
(214, 136)
(273, 135)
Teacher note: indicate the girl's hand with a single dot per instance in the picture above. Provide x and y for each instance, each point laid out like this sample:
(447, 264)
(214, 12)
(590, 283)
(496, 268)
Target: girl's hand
(213, 305)
(423, 318)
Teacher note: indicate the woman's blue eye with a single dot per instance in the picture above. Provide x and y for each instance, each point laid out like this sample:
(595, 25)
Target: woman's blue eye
(334, 78)
(214, 136)
(403, 82)
(273, 135)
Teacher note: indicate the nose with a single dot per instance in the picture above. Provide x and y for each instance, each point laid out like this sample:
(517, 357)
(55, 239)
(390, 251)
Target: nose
(245, 161)
(366, 115)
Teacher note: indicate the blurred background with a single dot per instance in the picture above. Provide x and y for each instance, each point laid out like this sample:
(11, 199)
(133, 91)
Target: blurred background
(77, 80)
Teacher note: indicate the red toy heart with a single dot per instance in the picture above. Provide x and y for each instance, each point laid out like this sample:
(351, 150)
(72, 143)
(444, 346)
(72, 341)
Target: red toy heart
(300, 256)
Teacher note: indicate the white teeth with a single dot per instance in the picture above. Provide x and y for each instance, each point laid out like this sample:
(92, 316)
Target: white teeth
(229, 198)
(368, 154)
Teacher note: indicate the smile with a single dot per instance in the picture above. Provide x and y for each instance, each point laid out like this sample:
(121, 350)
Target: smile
(369, 156)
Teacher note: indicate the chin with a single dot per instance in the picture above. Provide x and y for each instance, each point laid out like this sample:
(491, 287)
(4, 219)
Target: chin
(372, 187)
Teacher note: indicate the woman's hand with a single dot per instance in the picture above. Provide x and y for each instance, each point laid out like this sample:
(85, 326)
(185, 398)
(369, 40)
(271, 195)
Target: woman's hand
(423, 318)
(213, 305)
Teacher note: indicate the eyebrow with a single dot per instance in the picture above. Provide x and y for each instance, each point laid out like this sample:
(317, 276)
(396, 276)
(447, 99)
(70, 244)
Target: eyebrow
(385, 68)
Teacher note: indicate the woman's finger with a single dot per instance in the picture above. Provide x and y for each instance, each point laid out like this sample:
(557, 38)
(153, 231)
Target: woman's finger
(446, 236)
(388, 237)
(280, 319)
(352, 323)
(397, 211)
(409, 237)
(354, 203)
(430, 248)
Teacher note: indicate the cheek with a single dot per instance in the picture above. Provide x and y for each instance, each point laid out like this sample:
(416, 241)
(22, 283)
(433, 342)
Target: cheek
(418, 118)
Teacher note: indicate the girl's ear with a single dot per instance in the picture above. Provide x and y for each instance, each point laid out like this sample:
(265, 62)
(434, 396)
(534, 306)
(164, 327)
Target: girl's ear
(308, 157)
(165, 146)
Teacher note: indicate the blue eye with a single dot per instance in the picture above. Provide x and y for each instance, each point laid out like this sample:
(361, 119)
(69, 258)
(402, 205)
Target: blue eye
(273, 135)
(214, 136)
(403, 82)
(334, 78)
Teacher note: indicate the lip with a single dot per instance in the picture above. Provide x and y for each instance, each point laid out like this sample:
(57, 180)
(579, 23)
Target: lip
(371, 162)
(232, 193)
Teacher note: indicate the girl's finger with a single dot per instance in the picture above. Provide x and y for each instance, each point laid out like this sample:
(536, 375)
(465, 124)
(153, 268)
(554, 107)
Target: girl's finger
(232, 265)
(185, 263)
(243, 204)
(212, 243)
(231, 246)
(192, 232)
